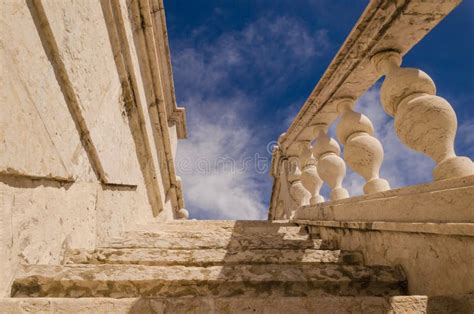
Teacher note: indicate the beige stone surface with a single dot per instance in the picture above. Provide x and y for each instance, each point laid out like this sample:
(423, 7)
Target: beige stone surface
(121, 281)
(35, 119)
(233, 226)
(436, 258)
(210, 239)
(39, 219)
(424, 121)
(206, 257)
(83, 46)
(443, 201)
(78, 154)
(320, 304)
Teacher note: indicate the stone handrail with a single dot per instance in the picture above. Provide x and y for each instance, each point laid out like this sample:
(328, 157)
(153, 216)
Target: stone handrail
(306, 156)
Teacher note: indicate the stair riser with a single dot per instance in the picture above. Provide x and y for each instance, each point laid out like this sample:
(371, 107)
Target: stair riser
(300, 305)
(175, 281)
(157, 257)
(184, 288)
(271, 229)
(217, 242)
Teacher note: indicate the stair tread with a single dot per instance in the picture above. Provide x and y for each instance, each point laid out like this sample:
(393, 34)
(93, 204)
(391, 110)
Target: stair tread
(249, 226)
(246, 280)
(301, 305)
(215, 239)
(203, 257)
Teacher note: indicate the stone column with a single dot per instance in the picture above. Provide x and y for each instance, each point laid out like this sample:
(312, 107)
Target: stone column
(423, 121)
(362, 151)
(331, 167)
(310, 178)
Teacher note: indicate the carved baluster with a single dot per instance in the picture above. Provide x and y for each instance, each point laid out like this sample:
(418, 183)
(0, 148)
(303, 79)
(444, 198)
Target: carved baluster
(182, 214)
(362, 151)
(297, 191)
(310, 178)
(331, 167)
(423, 121)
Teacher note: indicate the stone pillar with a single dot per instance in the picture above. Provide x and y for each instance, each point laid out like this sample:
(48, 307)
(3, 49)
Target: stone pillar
(362, 151)
(310, 178)
(331, 168)
(423, 121)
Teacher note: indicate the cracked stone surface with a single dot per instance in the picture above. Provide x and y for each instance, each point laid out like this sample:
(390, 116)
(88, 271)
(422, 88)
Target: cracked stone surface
(121, 281)
(216, 239)
(286, 262)
(300, 305)
(204, 257)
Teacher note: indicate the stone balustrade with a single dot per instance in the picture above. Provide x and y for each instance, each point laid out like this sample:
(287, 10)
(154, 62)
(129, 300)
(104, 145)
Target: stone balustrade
(423, 121)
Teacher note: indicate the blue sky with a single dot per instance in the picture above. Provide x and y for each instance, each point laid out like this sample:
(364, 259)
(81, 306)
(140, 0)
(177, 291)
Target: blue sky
(243, 69)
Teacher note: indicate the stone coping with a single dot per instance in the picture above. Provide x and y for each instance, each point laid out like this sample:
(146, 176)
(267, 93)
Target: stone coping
(455, 229)
(441, 201)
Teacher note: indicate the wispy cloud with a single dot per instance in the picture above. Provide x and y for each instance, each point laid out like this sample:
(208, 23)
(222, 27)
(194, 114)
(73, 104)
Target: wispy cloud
(465, 137)
(221, 82)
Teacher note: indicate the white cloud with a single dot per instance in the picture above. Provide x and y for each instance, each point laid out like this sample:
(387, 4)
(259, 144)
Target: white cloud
(465, 137)
(215, 82)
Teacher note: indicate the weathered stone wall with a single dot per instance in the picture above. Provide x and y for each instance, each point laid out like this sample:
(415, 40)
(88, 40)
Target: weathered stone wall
(435, 263)
(427, 229)
(81, 155)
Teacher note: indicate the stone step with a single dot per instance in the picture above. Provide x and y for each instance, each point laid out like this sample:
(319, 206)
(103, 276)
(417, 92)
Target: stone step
(233, 226)
(300, 305)
(122, 281)
(214, 239)
(207, 257)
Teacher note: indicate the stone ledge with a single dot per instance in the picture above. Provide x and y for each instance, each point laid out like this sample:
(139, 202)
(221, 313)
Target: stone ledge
(455, 229)
(442, 201)
(322, 304)
(123, 281)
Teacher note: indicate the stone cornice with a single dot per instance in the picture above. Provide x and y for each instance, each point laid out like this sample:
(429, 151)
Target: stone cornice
(176, 114)
(178, 117)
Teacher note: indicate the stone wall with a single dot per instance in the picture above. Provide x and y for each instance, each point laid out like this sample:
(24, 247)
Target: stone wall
(88, 125)
(436, 262)
(426, 229)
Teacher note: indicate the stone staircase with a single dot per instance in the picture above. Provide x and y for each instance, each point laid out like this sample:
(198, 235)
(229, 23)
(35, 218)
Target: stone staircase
(211, 267)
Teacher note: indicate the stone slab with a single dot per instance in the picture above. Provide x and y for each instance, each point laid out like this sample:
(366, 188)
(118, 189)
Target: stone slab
(442, 201)
(215, 239)
(34, 120)
(122, 281)
(207, 257)
(85, 57)
(455, 229)
(300, 305)
(233, 226)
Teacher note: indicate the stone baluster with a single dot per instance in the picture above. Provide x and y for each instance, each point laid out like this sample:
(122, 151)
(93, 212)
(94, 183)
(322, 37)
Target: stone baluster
(297, 190)
(309, 177)
(331, 168)
(362, 151)
(423, 121)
